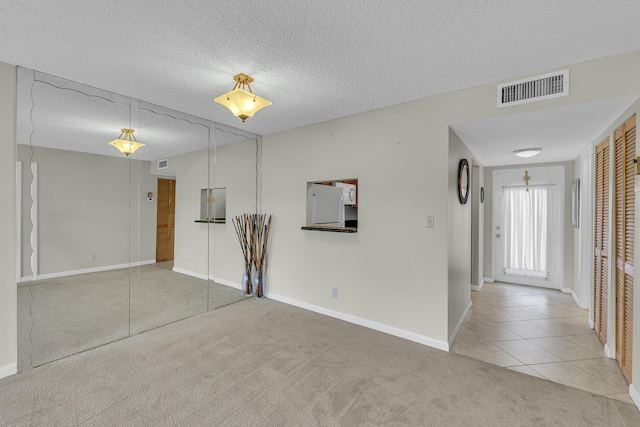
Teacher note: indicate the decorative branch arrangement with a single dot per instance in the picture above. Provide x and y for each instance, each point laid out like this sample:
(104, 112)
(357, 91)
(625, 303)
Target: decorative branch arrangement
(253, 234)
(242, 225)
(262, 226)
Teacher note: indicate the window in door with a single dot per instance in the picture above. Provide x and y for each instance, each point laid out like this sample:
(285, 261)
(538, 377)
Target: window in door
(526, 227)
(528, 213)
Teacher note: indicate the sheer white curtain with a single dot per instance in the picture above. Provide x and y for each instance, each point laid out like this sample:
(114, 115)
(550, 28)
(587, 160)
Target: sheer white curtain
(525, 217)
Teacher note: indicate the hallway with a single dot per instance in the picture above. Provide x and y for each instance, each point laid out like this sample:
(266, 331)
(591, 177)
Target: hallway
(539, 332)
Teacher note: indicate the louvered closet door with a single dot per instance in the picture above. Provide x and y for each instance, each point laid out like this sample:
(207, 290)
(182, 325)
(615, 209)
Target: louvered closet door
(625, 153)
(601, 279)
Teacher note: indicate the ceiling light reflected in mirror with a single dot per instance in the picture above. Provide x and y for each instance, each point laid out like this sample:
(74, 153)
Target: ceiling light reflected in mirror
(127, 142)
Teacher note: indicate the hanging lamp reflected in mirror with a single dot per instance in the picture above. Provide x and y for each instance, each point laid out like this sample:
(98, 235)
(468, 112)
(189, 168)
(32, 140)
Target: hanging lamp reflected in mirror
(126, 142)
(241, 103)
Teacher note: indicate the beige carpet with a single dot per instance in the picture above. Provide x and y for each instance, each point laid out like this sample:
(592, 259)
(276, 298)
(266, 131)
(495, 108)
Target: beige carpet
(266, 363)
(76, 313)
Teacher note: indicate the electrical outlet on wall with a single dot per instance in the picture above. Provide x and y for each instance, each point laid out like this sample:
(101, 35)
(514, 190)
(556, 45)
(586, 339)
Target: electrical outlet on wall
(92, 257)
(334, 293)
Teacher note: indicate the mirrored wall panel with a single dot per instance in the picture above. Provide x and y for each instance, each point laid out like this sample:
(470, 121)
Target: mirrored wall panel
(236, 156)
(115, 242)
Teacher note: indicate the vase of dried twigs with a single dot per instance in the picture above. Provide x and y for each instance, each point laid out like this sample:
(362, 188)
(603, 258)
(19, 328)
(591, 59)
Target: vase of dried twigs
(247, 285)
(262, 226)
(259, 284)
(253, 235)
(244, 230)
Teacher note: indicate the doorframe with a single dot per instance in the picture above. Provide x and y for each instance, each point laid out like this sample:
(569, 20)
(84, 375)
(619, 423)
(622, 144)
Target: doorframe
(476, 225)
(553, 175)
(586, 232)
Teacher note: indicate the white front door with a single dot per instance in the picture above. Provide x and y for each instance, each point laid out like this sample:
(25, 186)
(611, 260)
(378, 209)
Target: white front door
(528, 226)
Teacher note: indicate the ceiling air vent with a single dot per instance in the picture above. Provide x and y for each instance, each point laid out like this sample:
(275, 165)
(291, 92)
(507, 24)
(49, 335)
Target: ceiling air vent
(163, 164)
(537, 88)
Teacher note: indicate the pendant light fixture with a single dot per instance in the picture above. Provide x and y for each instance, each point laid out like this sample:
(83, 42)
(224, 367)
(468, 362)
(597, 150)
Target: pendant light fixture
(126, 142)
(241, 103)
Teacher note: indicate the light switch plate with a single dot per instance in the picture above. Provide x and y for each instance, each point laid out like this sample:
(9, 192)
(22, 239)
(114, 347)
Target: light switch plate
(430, 221)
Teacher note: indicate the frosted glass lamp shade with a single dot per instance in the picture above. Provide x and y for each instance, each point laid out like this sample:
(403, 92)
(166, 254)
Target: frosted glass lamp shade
(126, 143)
(241, 103)
(527, 152)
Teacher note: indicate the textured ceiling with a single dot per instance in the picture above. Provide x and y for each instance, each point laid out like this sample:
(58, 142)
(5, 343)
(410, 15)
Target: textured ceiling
(58, 113)
(315, 60)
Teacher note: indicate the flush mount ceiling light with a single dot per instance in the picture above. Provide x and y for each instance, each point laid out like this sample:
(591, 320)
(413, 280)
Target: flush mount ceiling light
(527, 152)
(242, 104)
(126, 142)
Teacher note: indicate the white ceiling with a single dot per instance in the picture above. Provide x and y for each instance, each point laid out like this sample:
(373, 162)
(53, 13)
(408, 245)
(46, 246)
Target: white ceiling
(315, 60)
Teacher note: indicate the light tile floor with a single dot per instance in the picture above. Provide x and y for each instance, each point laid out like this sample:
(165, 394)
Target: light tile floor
(540, 332)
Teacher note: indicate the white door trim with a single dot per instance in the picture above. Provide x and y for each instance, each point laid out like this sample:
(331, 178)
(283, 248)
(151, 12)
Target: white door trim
(540, 175)
(586, 232)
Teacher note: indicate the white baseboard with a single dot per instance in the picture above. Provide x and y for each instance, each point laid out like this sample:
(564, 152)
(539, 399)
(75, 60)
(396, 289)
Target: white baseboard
(219, 280)
(607, 350)
(592, 324)
(401, 333)
(453, 336)
(635, 395)
(577, 300)
(489, 279)
(226, 282)
(88, 270)
(190, 273)
(572, 293)
(478, 287)
(8, 370)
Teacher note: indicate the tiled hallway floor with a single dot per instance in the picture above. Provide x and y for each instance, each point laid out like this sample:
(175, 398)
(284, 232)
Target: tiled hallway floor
(540, 332)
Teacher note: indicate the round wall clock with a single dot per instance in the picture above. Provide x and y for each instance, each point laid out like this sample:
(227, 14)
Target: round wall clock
(463, 181)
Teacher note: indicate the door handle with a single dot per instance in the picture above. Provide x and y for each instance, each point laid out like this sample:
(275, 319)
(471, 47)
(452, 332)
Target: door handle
(498, 236)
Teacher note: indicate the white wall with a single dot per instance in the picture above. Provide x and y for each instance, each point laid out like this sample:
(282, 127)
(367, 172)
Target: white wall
(394, 270)
(234, 168)
(459, 236)
(191, 238)
(84, 209)
(477, 226)
(8, 303)
(575, 243)
(387, 272)
(143, 214)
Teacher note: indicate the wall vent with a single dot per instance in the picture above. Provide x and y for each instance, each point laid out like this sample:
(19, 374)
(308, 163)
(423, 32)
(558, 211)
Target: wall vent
(163, 164)
(547, 86)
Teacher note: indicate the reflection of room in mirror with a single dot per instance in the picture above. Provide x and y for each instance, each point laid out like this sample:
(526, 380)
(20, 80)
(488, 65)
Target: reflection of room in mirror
(213, 205)
(93, 248)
